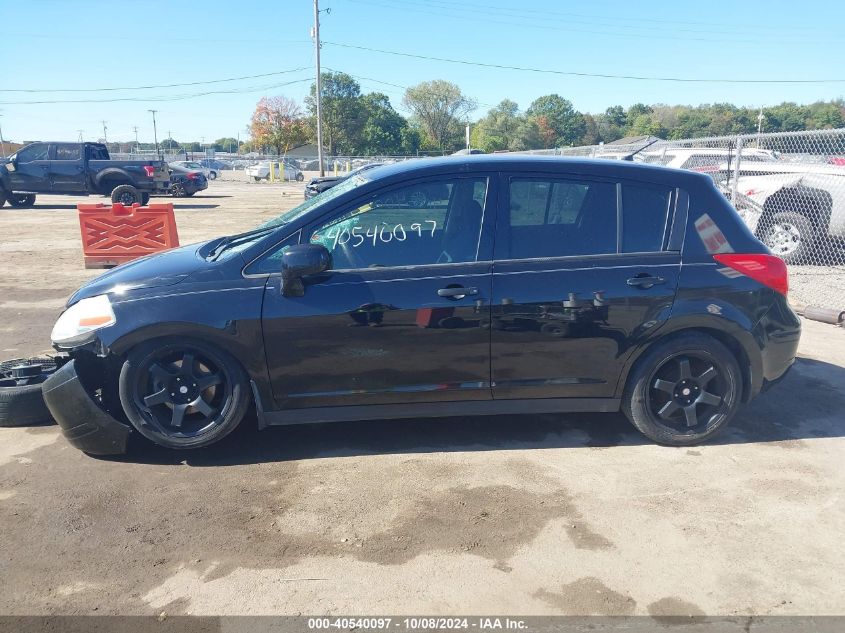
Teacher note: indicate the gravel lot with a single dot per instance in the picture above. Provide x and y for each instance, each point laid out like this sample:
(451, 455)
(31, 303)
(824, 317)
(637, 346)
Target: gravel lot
(508, 515)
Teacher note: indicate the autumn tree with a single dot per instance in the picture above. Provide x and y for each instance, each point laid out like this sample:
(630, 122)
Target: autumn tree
(278, 123)
(440, 106)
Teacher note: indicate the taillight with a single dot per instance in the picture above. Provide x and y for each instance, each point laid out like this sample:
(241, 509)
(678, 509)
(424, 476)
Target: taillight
(150, 170)
(192, 175)
(767, 269)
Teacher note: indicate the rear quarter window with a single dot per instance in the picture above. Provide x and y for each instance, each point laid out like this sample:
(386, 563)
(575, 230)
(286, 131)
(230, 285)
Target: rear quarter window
(645, 211)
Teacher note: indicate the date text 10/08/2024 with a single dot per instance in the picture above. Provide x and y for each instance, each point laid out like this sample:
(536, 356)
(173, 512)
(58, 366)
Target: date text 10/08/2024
(420, 623)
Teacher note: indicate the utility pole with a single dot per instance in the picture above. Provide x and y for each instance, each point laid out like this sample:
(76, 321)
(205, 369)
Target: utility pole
(136, 138)
(760, 119)
(80, 135)
(319, 87)
(155, 133)
(169, 142)
(105, 136)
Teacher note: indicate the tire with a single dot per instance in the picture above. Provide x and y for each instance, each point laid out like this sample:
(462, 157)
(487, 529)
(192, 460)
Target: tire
(127, 195)
(145, 199)
(212, 175)
(21, 402)
(191, 415)
(2, 197)
(789, 235)
(300, 177)
(177, 190)
(257, 178)
(661, 390)
(22, 200)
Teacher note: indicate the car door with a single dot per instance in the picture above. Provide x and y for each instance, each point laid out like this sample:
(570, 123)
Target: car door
(583, 270)
(67, 168)
(403, 315)
(31, 169)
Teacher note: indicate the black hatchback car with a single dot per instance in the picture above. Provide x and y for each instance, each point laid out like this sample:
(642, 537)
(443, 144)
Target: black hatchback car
(521, 285)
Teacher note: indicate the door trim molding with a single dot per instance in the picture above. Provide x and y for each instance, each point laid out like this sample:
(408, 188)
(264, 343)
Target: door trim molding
(438, 410)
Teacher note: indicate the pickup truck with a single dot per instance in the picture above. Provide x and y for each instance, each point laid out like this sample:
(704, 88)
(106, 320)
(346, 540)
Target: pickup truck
(78, 169)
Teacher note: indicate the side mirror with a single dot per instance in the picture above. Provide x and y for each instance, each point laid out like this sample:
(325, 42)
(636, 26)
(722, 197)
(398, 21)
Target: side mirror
(300, 261)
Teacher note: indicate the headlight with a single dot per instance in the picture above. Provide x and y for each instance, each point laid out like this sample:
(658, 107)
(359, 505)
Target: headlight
(83, 318)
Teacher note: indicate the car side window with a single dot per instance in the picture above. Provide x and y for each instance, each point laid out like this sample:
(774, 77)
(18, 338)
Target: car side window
(98, 153)
(558, 217)
(645, 209)
(433, 222)
(68, 152)
(271, 262)
(39, 151)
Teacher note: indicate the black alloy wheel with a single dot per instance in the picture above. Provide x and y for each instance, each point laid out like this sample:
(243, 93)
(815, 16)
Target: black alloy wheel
(686, 391)
(683, 390)
(183, 394)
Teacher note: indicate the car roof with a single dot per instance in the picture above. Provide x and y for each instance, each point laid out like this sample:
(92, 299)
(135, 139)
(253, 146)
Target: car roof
(521, 162)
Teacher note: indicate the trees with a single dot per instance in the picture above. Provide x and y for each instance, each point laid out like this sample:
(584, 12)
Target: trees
(383, 126)
(342, 112)
(278, 123)
(226, 144)
(440, 106)
(497, 130)
(558, 121)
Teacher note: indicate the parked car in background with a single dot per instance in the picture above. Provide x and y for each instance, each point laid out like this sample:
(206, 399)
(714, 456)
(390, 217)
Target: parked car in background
(209, 173)
(261, 171)
(185, 182)
(790, 206)
(704, 160)
(525, 284)
(78, 169)
(319, 185)
(215, 164)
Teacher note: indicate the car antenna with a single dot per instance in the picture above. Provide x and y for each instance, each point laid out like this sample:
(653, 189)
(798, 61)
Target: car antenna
(646, 146)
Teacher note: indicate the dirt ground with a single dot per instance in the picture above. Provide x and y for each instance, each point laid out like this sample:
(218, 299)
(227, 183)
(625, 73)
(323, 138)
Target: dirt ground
(508, 515)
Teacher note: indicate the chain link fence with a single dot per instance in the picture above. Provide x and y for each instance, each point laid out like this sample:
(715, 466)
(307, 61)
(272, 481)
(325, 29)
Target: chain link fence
(788, 187)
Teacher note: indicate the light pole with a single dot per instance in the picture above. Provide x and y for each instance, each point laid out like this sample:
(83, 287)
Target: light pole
(2, 142)
(155, 132)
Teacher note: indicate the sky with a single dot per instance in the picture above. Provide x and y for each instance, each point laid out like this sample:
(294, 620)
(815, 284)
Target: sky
(54, 47)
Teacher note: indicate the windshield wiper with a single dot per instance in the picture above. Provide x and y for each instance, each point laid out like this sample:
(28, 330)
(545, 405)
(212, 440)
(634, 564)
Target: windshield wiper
(232, 240)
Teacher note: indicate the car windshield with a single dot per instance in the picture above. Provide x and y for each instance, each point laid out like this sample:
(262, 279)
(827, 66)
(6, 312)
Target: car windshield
(327, 196)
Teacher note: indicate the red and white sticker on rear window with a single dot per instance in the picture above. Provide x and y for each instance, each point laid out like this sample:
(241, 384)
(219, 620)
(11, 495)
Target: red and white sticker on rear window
(711, 235)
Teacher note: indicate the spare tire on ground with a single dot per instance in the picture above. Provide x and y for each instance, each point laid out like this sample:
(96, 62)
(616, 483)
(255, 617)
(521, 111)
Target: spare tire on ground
(21, 402)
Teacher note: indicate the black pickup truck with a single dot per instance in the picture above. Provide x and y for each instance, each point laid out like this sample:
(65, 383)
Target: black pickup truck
(78, 169)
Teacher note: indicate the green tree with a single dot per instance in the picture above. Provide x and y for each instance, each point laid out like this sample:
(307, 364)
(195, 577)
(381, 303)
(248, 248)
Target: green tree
(342, 112)
(440, 106)
(497, 130)
(383, 126)
(558, 121)
(226, 144)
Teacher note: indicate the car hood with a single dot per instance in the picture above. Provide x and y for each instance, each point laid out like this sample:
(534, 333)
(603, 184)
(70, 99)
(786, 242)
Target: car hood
(161, 269)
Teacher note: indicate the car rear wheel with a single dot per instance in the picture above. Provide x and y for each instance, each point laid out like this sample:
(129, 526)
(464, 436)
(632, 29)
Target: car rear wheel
(212, 175)
(127, 195)
(683, 391)
(789, 235)
(177, 190)
(183, 393)
(300, 177)
(22, 200)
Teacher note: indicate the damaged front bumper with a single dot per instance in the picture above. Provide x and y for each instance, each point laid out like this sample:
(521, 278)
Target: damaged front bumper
(84, 423)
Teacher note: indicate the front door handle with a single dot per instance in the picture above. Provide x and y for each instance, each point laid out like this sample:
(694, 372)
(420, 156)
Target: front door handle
(645, 281)
(456, 292)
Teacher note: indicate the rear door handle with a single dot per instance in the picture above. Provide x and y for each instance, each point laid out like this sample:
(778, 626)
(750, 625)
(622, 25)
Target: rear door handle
(645, 281)
(456, 293)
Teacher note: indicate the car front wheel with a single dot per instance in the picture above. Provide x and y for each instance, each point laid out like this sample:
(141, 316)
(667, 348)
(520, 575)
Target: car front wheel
(684, 390)
(22, 200)
(183, 393)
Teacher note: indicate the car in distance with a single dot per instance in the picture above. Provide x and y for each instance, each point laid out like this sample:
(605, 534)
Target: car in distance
(185, 182)
(261, 171)
(78, 169)
(525, 284)
(319, 185)
(208, 172)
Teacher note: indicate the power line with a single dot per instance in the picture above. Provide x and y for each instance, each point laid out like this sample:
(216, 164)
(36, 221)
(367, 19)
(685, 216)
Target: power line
(180, 97)
(582, 74)
(192, 83)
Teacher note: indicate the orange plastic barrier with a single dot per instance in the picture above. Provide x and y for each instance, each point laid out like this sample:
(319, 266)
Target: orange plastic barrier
(114, 234)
